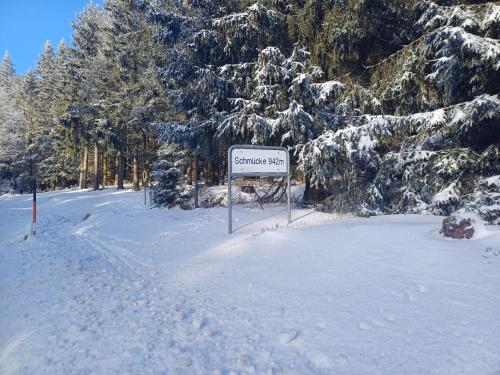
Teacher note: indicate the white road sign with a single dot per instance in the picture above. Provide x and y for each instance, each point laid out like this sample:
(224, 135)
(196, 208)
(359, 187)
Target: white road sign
(258, 161)
(246, 161)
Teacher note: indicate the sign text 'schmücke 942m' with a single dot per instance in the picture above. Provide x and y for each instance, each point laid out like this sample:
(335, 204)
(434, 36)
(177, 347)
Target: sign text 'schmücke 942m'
(246, 160)
(256, 161)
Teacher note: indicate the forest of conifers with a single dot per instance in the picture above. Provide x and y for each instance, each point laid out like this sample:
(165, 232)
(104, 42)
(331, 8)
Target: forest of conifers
(386, 106)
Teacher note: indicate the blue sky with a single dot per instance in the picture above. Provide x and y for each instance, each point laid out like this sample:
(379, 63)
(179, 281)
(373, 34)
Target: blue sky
(25, 25)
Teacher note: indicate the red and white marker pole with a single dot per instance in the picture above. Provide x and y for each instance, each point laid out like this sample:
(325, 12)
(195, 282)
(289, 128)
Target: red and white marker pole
(33, 223)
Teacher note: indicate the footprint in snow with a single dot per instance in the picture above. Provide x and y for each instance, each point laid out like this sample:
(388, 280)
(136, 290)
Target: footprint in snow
(281, 312)
(321, 325)
(423, 289)
(411, 297)
(287, 337)
(179, 315)
(202, 326)
(318, 360)
(207, 332)
(183, 361)
(342, 360)
(378, 323)
(199, 323)
(389, 317)
(273, 370)
(364, 326)
(245, 360)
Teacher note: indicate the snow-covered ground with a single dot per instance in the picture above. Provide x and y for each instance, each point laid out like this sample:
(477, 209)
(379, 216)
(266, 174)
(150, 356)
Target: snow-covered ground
(130, 290)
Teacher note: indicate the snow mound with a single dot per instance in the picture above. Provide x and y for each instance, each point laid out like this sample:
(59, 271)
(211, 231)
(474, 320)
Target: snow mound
(462, 225)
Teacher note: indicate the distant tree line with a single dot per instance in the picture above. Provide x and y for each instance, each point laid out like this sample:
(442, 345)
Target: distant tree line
(386, 106)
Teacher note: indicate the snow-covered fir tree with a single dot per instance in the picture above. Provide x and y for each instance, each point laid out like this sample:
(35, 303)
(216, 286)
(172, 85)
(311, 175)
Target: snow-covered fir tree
(386, 106)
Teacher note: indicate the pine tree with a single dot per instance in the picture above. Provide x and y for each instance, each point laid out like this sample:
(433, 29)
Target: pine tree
(86, 115)
(7, 71)
(385, 106)
(11, 120)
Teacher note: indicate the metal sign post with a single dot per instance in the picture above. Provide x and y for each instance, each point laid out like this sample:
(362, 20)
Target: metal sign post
(257, 161)
(33, 222)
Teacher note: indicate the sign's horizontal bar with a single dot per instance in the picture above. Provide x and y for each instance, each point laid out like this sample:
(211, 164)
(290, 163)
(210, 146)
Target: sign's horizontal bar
(255, 147)
(258, 174)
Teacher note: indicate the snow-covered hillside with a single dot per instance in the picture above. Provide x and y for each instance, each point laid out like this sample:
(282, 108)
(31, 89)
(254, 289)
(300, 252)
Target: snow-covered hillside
(110, 286)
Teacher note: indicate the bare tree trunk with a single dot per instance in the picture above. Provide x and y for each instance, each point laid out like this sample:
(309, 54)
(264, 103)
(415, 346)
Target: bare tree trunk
(195, 177)
(96, 166)
(145, 169)
(223, 154)
(307, 190)
(84, 165)
(104, 171)
(189, 172)
(135, 173)
(208, 173)
(80, 178)
(215, 173)
(119, 170)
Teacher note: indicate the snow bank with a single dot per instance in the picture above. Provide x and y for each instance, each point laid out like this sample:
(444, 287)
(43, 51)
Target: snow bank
(134, 290)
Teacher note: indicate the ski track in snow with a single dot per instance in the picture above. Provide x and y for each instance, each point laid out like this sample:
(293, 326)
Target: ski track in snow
(131, 290)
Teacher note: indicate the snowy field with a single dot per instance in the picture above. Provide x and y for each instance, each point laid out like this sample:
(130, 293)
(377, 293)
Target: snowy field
(130, 290)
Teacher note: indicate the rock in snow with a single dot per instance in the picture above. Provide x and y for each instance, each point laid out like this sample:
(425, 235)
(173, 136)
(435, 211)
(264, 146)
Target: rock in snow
(465, 225)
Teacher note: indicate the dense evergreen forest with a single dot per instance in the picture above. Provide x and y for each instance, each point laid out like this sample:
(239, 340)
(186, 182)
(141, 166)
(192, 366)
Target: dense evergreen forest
(386, 106)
